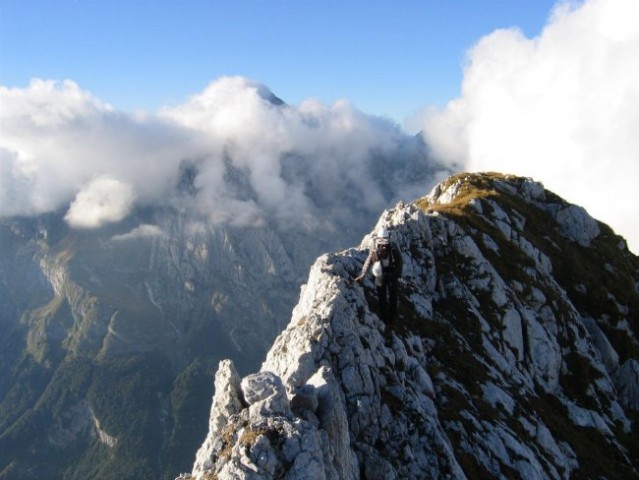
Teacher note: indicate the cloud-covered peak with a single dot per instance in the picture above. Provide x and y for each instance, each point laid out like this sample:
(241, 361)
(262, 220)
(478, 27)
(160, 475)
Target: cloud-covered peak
(249, 155)
(228, 99)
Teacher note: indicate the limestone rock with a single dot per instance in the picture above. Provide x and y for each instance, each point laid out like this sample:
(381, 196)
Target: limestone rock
(265, 394)
(514, 354)
(227, 401)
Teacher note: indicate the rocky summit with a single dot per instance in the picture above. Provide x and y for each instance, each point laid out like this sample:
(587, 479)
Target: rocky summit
(514, 354)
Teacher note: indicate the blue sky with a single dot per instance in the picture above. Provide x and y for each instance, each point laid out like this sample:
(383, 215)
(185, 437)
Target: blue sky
(389, 58)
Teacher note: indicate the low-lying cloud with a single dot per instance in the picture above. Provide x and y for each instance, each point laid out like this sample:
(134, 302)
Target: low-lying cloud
(61, 147)
(250, 157)
(141, 231)
(562, 108)
(104, 200)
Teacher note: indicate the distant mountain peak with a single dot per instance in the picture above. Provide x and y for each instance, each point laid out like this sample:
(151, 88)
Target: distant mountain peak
(266, 94)
(515, 354)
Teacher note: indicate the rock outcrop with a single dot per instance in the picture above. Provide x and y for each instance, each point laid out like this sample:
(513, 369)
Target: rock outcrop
(514, 354)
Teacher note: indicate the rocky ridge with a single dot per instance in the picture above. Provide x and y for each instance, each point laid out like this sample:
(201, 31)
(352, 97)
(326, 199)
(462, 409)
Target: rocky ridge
(515, 354)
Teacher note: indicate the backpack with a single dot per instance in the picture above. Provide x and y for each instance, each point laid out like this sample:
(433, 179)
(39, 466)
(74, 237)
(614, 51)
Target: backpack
(384, 251)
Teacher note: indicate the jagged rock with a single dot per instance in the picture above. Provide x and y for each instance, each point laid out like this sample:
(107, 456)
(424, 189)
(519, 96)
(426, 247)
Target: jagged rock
(227, 401)
(577, 224)
(609, 356)
(333, 421)
(627, 381)
(515, 310)
(305, 400)
(265, 394)
(269, 447)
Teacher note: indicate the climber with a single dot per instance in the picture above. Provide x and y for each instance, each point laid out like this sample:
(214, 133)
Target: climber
(387, 264)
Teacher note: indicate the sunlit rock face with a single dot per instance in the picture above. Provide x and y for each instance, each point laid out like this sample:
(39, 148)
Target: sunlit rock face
(514, 354)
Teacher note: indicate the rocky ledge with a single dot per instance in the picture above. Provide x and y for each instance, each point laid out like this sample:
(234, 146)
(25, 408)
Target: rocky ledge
(515, 354)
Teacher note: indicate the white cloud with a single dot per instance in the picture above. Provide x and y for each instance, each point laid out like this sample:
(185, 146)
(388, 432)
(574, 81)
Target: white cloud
(250, 157)
(240, 121)
(56, 139)
(141, 231)
(562, 108)
(102, 201)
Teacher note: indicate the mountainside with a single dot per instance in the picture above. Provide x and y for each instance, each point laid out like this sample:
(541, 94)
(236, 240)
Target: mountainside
(109, 335)
(103, 335)
(515, 354)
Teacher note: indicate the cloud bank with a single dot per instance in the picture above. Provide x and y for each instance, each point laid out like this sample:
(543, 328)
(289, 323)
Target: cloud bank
(234, 153)
(562, 108)
(62, 148)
